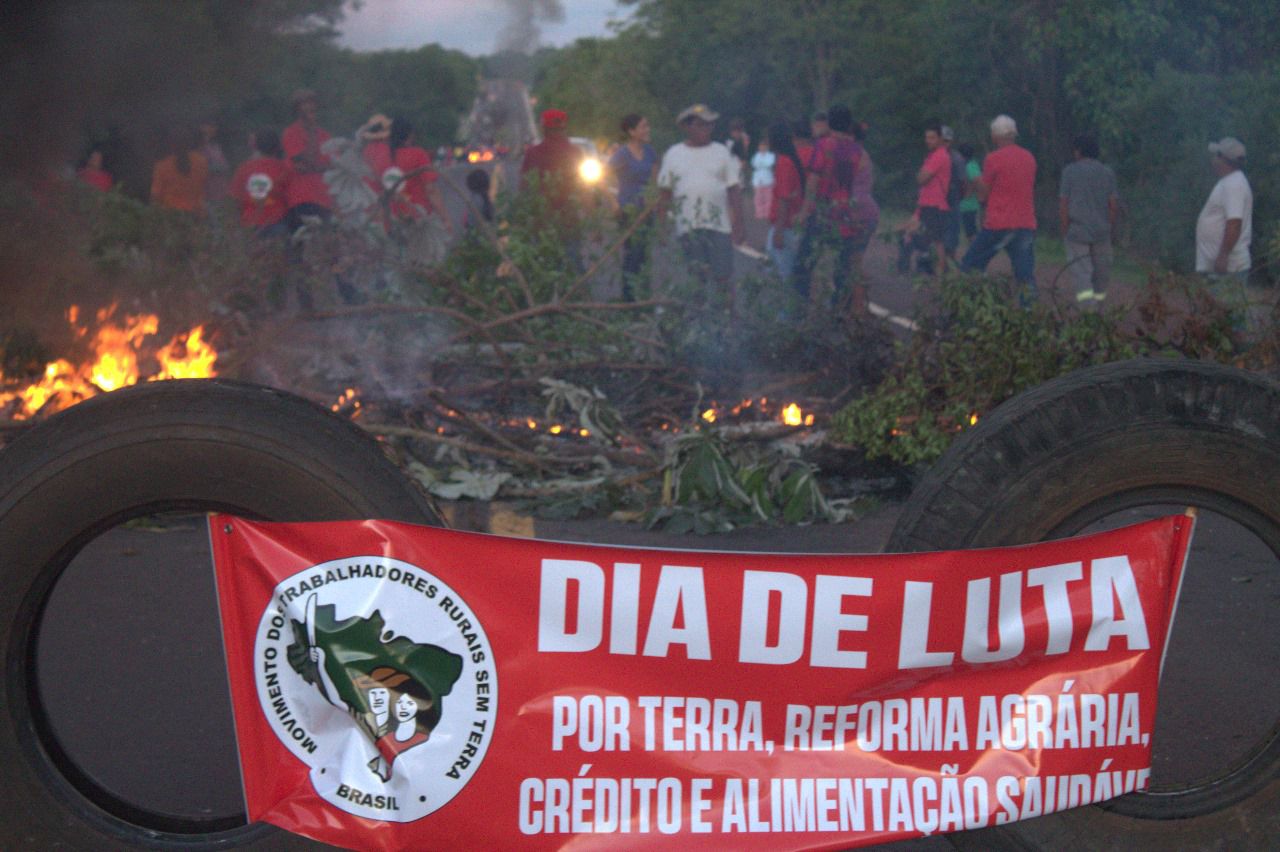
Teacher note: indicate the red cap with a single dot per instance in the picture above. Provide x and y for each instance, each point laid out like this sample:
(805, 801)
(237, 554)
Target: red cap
(554, 119)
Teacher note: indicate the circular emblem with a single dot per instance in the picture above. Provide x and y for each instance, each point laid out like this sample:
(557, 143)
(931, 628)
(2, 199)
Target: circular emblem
(393, 179)
(380, 678)
(258, 186)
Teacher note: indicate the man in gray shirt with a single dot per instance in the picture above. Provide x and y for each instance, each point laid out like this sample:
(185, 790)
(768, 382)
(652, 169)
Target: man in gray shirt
(1088, 207)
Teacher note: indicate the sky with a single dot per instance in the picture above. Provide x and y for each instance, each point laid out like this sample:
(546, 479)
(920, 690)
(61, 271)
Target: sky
(467, 25)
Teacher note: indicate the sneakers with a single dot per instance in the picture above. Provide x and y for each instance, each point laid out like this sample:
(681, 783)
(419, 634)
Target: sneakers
(1090, 296)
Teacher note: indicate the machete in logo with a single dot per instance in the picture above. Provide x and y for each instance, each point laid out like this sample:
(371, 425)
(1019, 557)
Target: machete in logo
(380, 678)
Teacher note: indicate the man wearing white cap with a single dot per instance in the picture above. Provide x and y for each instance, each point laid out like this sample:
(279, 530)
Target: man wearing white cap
(699, 181)
(1007, 186)
(1225, 230)
(1225, 227)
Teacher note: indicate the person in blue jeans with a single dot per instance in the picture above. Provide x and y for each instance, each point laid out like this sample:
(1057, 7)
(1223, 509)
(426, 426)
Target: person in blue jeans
(1007, 186)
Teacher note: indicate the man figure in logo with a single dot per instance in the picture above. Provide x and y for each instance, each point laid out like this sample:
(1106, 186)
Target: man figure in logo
(376, 713)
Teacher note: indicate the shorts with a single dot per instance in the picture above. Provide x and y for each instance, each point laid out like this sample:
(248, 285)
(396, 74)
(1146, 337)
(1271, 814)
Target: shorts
(709, 250)
(933, 224)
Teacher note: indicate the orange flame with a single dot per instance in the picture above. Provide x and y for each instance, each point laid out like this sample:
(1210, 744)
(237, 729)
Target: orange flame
(792, 415)
(709, 415)
(115, 351)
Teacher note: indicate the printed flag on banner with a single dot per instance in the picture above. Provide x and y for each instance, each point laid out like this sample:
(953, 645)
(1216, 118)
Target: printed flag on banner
(405, 687)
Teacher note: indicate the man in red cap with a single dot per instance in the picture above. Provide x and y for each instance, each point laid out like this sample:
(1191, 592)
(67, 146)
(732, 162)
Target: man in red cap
(553, 164)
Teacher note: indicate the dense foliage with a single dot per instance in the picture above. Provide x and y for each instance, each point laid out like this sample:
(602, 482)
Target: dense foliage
(1155, 81)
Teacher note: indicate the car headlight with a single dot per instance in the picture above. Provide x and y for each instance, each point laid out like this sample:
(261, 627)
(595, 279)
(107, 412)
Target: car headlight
(590, 170)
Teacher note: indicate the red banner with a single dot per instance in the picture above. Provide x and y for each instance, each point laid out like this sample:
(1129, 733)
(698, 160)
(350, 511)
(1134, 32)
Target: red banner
(404, 687)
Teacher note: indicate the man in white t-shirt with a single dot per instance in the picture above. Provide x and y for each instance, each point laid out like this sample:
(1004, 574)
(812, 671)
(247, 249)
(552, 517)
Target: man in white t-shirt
(699, 183)
(1225, 228)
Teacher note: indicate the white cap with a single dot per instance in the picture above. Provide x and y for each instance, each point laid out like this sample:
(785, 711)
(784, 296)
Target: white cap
(1003, 125)
(1229, 148)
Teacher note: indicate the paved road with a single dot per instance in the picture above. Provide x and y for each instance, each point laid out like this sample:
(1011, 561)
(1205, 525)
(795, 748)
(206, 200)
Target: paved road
(137, 607)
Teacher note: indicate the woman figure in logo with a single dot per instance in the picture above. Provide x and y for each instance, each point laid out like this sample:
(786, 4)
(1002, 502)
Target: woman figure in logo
(415, 715)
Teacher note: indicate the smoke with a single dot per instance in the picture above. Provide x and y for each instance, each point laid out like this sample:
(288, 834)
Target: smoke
(523, 28)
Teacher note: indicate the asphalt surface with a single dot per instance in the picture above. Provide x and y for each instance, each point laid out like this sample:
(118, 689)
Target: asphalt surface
(137, 606)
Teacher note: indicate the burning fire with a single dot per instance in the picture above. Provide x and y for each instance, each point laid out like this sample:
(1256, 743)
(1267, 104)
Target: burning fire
(115, 352)
(791, 414)
(349, 402)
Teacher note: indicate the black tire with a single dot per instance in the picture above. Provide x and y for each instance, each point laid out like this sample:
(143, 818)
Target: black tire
(1057, 458)
(170, 446)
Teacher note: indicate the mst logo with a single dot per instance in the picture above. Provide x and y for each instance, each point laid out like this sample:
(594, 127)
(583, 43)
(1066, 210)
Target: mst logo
(380, 678)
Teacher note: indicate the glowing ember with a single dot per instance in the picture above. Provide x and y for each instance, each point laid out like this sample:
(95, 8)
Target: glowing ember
(115, 351)
(349, 401)
(709, 415)
(793, 416)
(973, 419)
(556, 429)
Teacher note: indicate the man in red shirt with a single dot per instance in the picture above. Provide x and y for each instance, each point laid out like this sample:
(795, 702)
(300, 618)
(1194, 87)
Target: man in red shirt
(934, 180)
(307, 194)
(553, 164)
(1007, 186)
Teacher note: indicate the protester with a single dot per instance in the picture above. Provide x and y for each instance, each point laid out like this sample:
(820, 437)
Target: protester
(372, 137)
(1224, 229)
(178, 180)
(634, 166)
(956, 191)
(819, 128)
(802, 136)
(553, 163)
(93, 171)
(411, 178)
(699, 182)
(969, 203)
(478, 185)
(932, 210)
(260, 184)
(217, 186)
(762, 164)
(739, 145)
(307, 194)
(1088, 207)
(785, 201)
(1007, 187)
(829, 206)
(866, 212)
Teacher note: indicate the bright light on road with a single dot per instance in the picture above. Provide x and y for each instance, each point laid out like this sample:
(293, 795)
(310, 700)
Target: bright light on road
(590, 170)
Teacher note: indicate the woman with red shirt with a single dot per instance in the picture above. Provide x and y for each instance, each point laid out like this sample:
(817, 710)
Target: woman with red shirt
(94, 173)
(260, 185)
(784, 207)
(411, 178)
